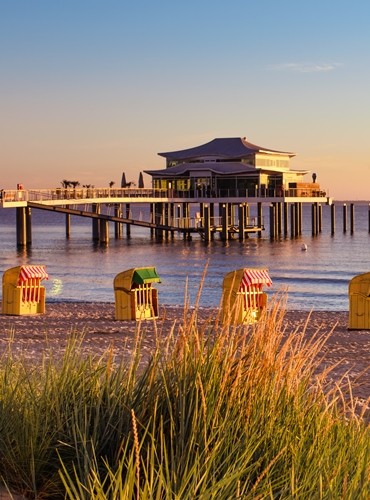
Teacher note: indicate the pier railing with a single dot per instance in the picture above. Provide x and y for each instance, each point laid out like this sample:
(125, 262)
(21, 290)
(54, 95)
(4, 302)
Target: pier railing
(39, 195)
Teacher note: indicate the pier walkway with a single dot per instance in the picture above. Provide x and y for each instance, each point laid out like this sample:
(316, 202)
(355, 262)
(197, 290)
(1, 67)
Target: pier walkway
(165, 211)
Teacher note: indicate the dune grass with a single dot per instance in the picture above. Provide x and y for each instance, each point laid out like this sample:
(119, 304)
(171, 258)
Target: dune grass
(220, 411)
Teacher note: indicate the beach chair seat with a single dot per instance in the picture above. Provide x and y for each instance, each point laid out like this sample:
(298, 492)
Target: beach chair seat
(23, 292)
(243, 299)
(135, 297)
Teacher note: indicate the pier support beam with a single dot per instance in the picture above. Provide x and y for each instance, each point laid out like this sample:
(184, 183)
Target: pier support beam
(166, 218)
(224, 222)
(152, 219)
(279, 218)
(272, 221)
(207, 223)
(21, 226)
(286, 218)
(68, 226)
(28, 225)
(178, 216)
(247, 213)
(95, 208)
(344, 218)
(104, 231)
(299, 218)
(212, 218)
(259, 218)
(185, 220)
(118, 226)
(292, 220)
(201, 210)
(232, 211)
(24, 226)
(352, 217)
(172, 218)
(128, 216)
(158, 219)
(247, 219)
(314, 218)
(332, 217)
(241, 222)
(297, 214)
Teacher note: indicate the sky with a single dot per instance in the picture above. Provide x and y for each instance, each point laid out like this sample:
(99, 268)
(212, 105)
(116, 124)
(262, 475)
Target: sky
(90, 89)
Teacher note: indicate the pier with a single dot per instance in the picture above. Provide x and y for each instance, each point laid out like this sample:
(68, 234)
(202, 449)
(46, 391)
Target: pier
(218, 189)
(165, 212)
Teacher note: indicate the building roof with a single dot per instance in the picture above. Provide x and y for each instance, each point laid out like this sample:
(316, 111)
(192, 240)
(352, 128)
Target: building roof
(220, 168)
(233, 147)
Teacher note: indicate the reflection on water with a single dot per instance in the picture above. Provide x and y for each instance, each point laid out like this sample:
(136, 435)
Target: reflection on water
(81, 269)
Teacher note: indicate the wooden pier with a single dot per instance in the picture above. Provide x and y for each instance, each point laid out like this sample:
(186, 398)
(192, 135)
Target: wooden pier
(228, 217)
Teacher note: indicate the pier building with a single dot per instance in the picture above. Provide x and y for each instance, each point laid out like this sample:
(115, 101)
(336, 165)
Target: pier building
(232, 167)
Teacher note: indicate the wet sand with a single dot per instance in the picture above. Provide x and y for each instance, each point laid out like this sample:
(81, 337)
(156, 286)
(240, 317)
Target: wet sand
(31, 336)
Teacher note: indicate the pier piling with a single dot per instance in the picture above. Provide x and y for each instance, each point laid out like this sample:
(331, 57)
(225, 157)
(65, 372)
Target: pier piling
(241, 216)
(344, 218)
(95, 208)
(128, 226)
(224, 222)
(207, 224)
(24, 226)
(286, 218)
(68, 226)
(118, 225)
(332, 214)
(352, 218)
(292, 220)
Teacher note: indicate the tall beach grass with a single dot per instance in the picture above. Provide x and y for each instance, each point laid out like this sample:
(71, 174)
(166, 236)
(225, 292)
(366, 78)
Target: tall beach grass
(219, 411)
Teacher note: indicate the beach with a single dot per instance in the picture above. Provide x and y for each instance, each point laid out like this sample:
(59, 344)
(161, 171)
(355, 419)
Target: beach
(94, 324)
(36, 337)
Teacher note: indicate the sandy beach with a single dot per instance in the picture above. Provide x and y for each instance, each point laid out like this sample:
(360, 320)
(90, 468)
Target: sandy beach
(31, 336)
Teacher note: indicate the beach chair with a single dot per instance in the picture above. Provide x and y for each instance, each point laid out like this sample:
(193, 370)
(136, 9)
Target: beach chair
(359, 302)
(22, 290)
(135, 298)
(243, 299)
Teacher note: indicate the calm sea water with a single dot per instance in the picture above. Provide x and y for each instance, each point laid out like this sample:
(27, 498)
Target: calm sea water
(81, 270)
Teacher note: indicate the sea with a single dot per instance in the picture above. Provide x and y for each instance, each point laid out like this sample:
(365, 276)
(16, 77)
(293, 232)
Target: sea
(312, 272)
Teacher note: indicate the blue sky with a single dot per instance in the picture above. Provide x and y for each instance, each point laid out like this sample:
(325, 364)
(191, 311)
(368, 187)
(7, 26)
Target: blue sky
(90, 89)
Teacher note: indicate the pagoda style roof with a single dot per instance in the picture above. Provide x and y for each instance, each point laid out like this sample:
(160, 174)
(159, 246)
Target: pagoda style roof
(216, 167)
(227, 148)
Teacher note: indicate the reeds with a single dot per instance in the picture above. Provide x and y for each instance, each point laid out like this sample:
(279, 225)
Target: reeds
(220, 411)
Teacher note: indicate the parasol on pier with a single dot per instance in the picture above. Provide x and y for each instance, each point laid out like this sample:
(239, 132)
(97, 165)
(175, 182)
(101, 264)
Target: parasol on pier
(141, 180)
(123, 180)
